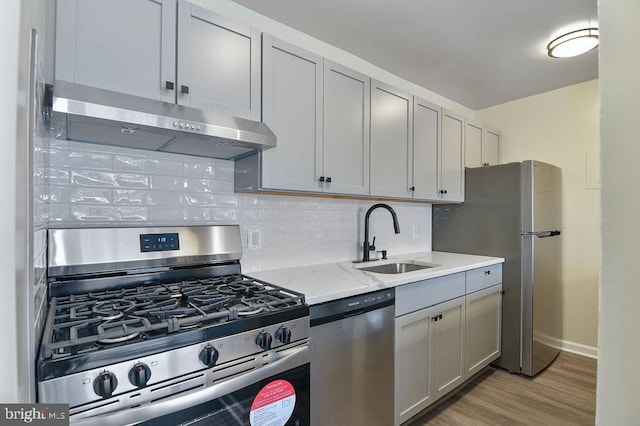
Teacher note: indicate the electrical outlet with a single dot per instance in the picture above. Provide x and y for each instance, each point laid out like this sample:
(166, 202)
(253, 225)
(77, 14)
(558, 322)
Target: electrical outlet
(254, 238)
(416, 231)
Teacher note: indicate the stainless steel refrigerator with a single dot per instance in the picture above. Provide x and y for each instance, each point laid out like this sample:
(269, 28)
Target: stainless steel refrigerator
(514, 211)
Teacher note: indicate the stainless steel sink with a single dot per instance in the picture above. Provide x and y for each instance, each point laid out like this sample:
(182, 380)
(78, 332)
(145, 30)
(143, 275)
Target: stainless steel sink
(397, 268)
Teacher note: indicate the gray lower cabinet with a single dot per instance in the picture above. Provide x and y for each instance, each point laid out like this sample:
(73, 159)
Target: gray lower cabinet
(483, 328)
(413, 389)
(446, 330)
(448, 346)
(429, 342)
(483, 317)
(168, 50)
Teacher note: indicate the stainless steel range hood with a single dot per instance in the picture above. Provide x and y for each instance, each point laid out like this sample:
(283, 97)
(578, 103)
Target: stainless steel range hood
(87, 114)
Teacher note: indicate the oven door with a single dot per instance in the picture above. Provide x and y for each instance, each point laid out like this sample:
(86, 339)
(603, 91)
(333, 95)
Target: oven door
(275, 394)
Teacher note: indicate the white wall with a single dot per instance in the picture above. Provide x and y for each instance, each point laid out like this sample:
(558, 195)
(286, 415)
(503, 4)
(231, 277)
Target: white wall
(19, 20)
(560, 127)
(9, 30)
(618, 366)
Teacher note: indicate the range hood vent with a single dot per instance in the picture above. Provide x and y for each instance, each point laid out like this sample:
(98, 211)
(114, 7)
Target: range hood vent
(87, 114)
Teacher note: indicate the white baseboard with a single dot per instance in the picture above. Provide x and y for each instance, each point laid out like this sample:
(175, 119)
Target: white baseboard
(579, 349)
(567, 346)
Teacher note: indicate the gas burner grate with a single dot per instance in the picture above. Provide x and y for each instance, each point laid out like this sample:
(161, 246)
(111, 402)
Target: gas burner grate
(91, 321)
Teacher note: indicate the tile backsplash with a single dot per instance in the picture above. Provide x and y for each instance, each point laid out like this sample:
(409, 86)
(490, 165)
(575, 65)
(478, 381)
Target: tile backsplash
(93, 185)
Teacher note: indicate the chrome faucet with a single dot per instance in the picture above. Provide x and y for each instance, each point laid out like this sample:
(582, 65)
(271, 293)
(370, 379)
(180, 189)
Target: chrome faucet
(365, 246)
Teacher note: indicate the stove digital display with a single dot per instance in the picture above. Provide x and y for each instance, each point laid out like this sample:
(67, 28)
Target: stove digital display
(159, 242)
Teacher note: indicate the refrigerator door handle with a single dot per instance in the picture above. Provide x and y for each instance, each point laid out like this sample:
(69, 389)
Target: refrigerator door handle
(541, 234)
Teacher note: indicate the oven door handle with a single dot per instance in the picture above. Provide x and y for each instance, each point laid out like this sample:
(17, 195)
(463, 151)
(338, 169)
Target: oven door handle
(289, 359)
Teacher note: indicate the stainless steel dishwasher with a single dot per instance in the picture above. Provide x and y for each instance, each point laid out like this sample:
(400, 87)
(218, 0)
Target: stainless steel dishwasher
(352, 350)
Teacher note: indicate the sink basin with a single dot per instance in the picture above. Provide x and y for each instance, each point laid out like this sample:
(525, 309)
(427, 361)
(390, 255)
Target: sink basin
(397, 268)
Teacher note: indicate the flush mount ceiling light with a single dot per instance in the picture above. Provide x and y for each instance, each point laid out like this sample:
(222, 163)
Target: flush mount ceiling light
(574, 43)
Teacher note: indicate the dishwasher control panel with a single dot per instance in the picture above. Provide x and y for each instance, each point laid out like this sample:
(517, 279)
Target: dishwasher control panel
(349, 306)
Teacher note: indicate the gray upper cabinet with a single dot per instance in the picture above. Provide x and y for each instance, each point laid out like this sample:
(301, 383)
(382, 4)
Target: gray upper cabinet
(426, 139)
(482, 145)
(160, 49)
(451, 187)
(292, 107)
(218, 63)
(122, 45)
(473, 145)
(319, 112)
(345, 166)
(491, 151)
(391, 141)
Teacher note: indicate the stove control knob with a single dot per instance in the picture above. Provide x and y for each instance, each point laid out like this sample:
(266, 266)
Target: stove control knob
(209, 356)
(284, 335)
(105, 384)
(263, 340)
(139, 375)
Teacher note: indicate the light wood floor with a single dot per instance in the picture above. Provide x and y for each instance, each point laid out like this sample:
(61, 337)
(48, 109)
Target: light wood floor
(563, 394)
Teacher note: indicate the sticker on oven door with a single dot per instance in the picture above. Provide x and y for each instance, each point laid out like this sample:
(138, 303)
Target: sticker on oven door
(273, 405)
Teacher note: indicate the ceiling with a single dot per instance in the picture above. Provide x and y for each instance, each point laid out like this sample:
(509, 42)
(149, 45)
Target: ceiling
(478, 53)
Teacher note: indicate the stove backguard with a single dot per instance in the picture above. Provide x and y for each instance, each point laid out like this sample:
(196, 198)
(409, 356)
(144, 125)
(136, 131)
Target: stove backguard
(91, 251)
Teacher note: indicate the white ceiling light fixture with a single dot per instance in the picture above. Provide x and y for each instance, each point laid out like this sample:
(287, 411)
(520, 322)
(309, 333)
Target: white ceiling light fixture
(574, 43)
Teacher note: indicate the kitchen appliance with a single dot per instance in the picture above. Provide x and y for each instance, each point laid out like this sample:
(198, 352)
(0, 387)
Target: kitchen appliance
(159, 326)
(515, 211)
(88, 114)
(352, 360)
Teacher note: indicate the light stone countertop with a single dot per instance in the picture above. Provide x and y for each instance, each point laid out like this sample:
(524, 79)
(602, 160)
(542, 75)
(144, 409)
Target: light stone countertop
(332, 281)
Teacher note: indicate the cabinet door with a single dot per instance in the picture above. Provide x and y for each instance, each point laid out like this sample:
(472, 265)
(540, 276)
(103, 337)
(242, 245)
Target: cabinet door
(426, 135)
(126, 46)
(346, 130)
(391, 141)
(473, 145)
(293, 110)
(218, 63)
(492, 147)
(448, 367)
(452, 157)
(412, 364)
(484, 325)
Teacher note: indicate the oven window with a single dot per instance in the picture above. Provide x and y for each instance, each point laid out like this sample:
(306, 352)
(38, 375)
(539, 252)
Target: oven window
(281, 400)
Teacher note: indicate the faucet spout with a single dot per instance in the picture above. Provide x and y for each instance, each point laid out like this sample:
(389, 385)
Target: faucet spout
(396, 227)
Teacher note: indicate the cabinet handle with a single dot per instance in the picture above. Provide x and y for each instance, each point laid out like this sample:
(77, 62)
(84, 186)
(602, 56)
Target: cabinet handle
(413, 188)
(184, 89)
(321, 179)
(168, 85)
(487, 272)
(440, 316)
(502, 293)
(328, 180)
(445, 191)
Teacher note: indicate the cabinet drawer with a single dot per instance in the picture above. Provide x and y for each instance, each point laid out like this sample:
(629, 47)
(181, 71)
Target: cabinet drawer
(480, 278)
(421, 294)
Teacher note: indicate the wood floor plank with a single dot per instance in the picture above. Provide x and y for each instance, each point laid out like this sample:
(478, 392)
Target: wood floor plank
(563, 394)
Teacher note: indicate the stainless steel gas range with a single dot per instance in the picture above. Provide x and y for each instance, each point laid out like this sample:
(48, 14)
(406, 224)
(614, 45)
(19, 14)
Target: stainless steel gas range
(159, 326)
